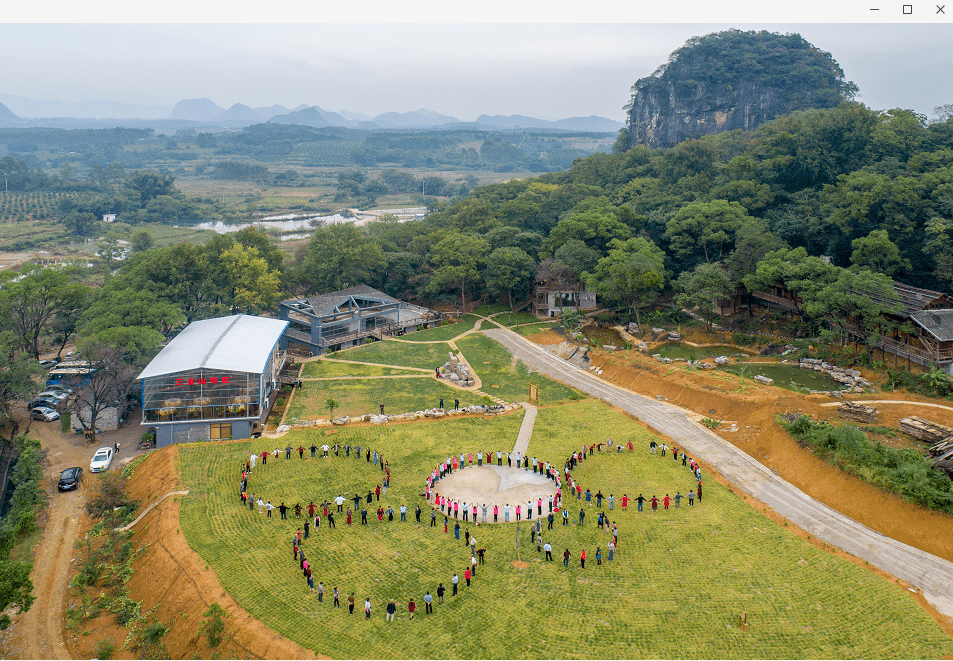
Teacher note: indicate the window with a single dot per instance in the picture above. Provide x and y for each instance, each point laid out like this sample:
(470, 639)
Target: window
(220, 430)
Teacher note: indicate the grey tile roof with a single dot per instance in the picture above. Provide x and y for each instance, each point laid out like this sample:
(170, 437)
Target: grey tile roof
(325, 304)
(938, 323)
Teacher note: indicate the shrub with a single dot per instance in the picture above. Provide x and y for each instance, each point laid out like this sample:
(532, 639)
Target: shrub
(213, 626)
(104, 649)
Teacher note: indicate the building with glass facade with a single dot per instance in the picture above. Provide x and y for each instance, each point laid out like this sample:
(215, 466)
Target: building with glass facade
(216, 379)
(346, 318)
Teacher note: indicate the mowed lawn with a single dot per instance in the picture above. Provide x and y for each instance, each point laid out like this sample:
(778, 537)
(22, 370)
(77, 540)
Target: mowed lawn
(360, 396)
(443, 333)
(495, 366)
(330, 369)
(402, 354)
(679, 582)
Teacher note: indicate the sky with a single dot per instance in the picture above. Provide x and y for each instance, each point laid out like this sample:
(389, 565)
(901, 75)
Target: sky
(462, 69)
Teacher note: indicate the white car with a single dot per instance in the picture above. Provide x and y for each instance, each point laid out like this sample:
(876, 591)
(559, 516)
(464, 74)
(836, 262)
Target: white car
(101, 460)
(44, 413)
(58, 395)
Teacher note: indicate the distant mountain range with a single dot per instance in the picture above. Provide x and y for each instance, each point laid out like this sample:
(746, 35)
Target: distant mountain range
(205, 114)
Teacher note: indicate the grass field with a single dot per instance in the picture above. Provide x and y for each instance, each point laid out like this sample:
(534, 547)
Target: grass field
(532, 329)
(444, 333)
(360, 396)
(404, 354)
(513, 380)
(328, 368)
(512, 319)
(679, 582)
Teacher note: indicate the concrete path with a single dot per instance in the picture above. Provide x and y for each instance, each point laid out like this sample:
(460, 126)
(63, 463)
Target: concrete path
(931, 574)
(526, 429)
(149, 509)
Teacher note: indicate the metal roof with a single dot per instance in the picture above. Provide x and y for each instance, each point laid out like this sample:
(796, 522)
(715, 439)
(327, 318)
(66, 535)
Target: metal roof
(326, 304)
(240, 343)
(938, 323)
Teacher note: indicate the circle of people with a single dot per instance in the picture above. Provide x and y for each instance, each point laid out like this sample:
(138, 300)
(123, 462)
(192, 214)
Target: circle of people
(447, 506)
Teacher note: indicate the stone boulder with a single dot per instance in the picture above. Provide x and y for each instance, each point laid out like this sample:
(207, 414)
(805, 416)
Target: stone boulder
(377, 419)
(722, 360)
(342, 420)
(763, 379)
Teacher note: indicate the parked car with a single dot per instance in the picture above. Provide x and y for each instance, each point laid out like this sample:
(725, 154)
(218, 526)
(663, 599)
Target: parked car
(48, 402)
(56, 387)
(44, 413)
(57, 395)
(101, 460)
(48, 363)
(69, 479)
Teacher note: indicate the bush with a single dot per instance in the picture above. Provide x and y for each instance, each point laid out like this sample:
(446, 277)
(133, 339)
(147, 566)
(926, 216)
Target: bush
(4, 622)
(213, 626)
(104, 649)
(904, 472)
(65, 422)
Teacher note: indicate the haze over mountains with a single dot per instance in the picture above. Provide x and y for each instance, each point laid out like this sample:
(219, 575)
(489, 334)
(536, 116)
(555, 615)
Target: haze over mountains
(205, 114)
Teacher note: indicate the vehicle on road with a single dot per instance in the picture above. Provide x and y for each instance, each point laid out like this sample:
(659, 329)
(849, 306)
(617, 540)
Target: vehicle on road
(69, 479)
(48, 363)
(44, 413)
(101, 460)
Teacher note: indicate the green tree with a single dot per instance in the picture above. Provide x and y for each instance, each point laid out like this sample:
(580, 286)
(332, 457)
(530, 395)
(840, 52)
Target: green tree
(110, 249)
(879, 253)
(338, 256)
(250, 286)
(150, 185)
(632, 273)
(509, 268)
(79, 223)
(594, 228)
(15, 585)
(29, 302)
(18, 379)
(702, 288)
(457, 259)
(708, 227)
(142, 241)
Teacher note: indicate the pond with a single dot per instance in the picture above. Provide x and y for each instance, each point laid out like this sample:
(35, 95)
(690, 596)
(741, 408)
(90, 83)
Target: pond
(686, 351)
(790, 377)
(598, 336)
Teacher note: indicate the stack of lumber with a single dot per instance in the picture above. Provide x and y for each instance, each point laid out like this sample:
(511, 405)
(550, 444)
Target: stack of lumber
(925, 430)
(857, 411)
(942, 450)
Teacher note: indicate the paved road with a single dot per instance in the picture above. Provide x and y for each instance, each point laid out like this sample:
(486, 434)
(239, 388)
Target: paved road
(931, 574)
(526, 429)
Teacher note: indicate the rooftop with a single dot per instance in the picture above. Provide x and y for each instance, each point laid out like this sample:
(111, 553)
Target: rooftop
(239, 343)
(325, 304)
(938, 323)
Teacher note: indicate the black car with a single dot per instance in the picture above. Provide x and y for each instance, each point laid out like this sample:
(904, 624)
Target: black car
(45, 401)
(69, 479)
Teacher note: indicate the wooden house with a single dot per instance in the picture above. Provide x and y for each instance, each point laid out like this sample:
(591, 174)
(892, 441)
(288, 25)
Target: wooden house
(555, 293)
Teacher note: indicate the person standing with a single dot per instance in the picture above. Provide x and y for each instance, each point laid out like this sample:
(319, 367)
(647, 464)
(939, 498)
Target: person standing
(283, 510)
(611, 548)
(496, 512)
(678, 499)
(428, 599)
(699, 491)
(582, 516)
(582, 559)
(549, 551)
(411, 607)
(666, 501)
(391, 606)
(347, 521)
(269, 507)
(499, 458)
(350, 604)
(565, 517)
(311, 584)
(483, 512)
(466, 576)
(321, 592)
(691, 498)
(440, 592)
(566, 558)
(652, 446)
(433, 518)
(307, 528)
(367, 608)
(454, 580)
(654, 503)
(337, 600)
(403, 513)
(640, 500)
(598, 555)
(550, 518)
(313, 449)
(611, 502)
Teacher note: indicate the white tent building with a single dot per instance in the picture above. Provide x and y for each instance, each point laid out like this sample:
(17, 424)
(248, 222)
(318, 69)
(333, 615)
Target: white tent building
(216, 379)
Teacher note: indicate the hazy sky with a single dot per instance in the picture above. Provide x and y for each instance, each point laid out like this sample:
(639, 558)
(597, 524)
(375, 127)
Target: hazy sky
(463, 69)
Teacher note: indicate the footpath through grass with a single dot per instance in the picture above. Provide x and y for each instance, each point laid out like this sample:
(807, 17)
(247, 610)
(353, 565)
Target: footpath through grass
(676, 588)
(495, 366)
(443, 333)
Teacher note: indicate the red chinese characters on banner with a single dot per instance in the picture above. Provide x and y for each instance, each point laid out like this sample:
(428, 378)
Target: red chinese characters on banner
(202, 381)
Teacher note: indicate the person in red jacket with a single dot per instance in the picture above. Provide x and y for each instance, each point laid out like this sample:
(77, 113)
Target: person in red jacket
(582, 559)
(654, 504)
(625, 501)
(466, 575)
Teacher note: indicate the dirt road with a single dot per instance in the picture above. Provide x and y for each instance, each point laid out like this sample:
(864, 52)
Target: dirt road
(38, 633)
(931, 574)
